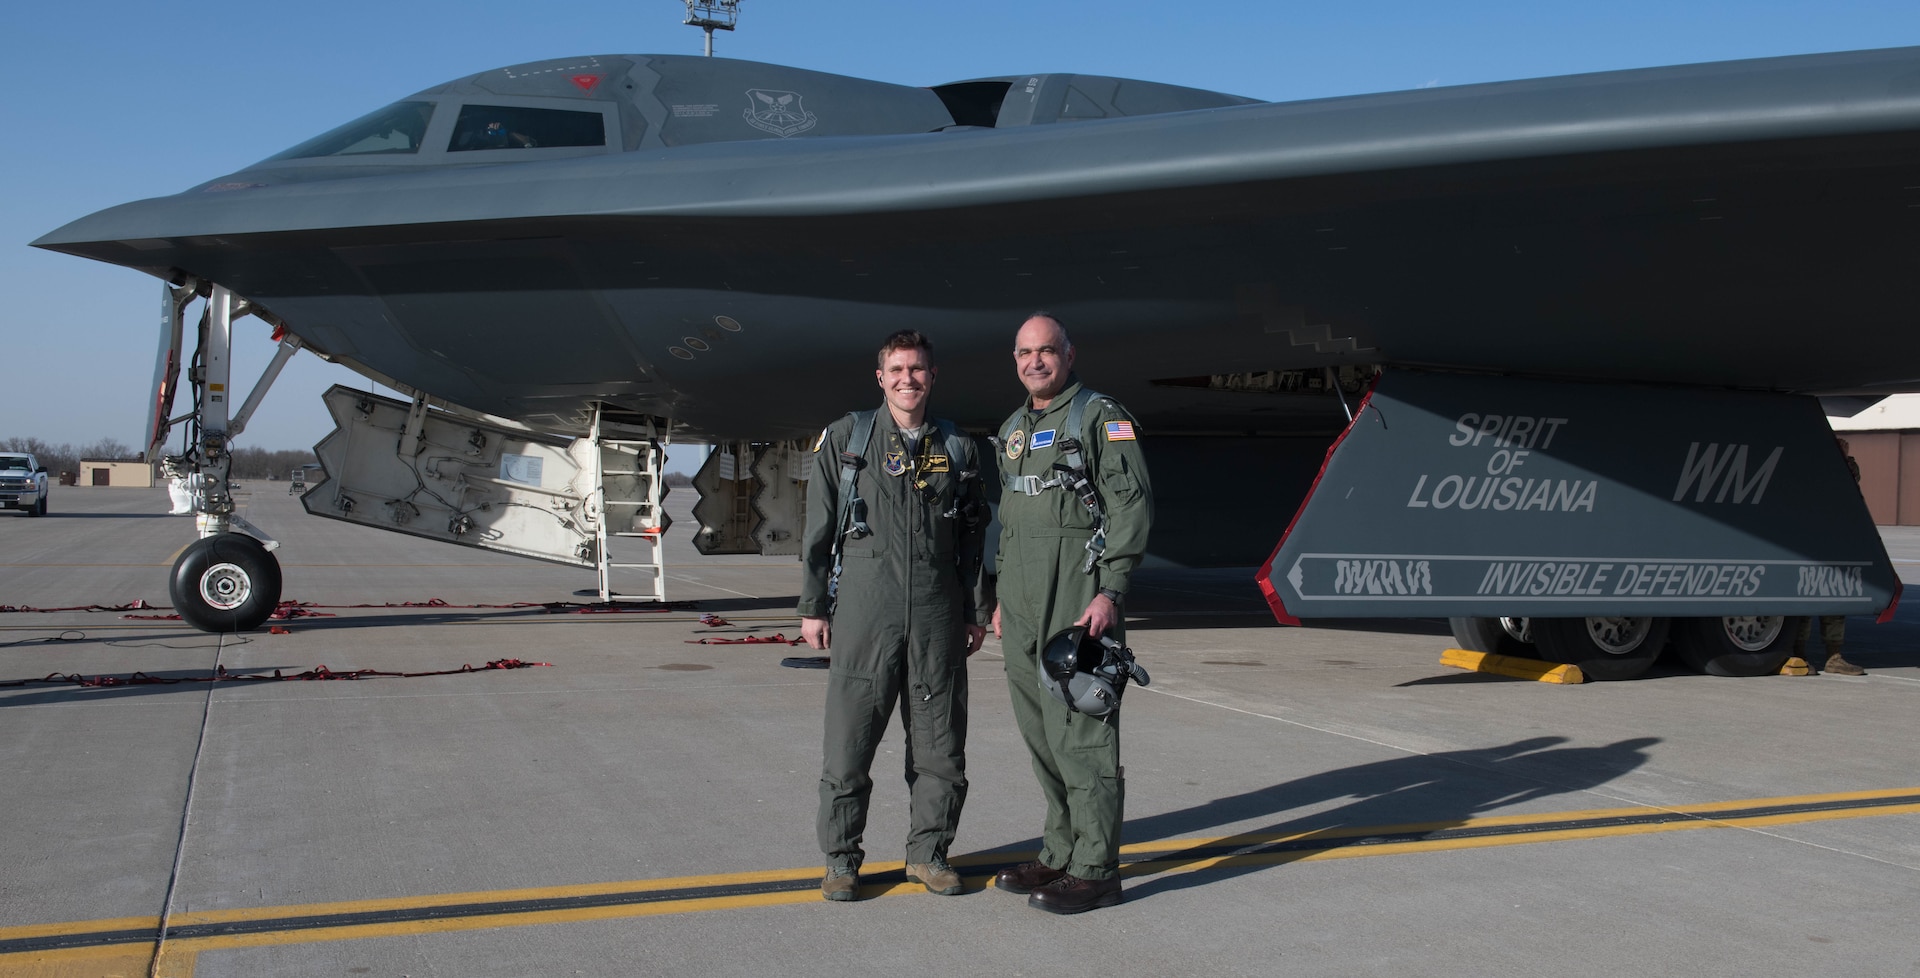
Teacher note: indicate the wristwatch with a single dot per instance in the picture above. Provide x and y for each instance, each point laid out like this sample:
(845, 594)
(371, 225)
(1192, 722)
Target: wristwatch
(1112, 595)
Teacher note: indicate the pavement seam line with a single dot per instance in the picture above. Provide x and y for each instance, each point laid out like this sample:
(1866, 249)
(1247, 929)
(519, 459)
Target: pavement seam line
(1757, 830)
(186, 816)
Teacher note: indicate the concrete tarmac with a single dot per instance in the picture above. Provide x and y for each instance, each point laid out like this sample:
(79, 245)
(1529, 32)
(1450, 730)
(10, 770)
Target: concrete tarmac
(1324, 801)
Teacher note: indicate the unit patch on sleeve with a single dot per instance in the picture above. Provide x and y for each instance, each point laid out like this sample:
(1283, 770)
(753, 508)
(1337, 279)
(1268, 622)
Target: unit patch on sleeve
(1120, 431)
(1042, 439)
(1016, 443)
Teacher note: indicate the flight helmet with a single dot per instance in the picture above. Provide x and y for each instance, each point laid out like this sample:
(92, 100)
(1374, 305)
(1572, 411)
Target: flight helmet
(1088, 674)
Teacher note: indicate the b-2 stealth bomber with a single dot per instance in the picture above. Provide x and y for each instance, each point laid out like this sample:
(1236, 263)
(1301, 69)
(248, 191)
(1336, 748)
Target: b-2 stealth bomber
(1567, 332)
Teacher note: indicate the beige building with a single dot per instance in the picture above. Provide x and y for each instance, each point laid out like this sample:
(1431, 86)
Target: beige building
(1885, 440)
(116, 472)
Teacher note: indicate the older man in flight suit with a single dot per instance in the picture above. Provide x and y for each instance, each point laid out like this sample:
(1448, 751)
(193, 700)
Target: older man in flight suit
(910, 608)
(1053, 574)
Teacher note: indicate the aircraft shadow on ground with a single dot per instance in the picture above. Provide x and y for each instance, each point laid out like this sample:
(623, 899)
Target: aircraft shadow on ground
(1669, 666)
(1419, 795)
(60, 688)
(420, 617)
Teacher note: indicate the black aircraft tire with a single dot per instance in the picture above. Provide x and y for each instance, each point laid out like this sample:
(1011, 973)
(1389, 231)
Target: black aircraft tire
(225, 583)
(1605, 649)
(1490, 635)
(1736, 646)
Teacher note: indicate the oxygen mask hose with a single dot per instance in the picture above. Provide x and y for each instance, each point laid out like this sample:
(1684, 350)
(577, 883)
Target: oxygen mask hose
(1123, 657)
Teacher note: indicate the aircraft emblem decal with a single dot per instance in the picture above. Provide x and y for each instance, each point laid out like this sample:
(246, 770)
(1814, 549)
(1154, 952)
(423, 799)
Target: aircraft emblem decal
(779, 113)
(586, 82)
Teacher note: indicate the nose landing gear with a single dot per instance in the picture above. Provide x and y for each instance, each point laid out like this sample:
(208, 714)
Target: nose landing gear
(226, 581)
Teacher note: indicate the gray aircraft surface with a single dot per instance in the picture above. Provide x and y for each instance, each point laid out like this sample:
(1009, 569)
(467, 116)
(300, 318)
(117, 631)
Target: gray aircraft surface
(618, 249)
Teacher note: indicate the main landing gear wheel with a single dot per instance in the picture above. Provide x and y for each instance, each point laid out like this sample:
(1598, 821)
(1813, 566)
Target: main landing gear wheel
(1605, 649)
(1495, 636)
(1755, 645)
(225, 583)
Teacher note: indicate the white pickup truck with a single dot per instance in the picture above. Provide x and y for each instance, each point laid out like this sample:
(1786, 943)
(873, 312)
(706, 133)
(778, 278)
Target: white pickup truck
(23, 483)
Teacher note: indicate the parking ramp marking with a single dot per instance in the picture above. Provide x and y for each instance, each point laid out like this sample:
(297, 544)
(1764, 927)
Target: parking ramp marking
(71, 948)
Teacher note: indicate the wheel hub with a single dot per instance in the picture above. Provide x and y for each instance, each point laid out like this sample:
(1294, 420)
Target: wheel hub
(225, 586)
(1618, 636)
(1520, 629)
(1753, 633)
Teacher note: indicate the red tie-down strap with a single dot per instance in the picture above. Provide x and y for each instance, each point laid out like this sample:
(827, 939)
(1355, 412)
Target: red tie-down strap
(774, 639)
(134, 605)
(305, 609)
(221, 675)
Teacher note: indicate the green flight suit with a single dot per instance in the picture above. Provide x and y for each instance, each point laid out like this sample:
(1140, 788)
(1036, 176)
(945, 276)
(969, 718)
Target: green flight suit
(906, 594)
(1043, 589)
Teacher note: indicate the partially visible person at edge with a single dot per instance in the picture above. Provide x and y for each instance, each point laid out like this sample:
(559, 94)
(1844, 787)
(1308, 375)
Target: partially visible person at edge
(1833, 628)
(911, 608)
(1045, 587)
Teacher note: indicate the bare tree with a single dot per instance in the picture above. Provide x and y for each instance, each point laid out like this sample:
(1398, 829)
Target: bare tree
(64, 459)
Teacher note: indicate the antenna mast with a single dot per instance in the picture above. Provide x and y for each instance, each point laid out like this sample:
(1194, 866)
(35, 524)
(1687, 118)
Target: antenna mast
(712, 15)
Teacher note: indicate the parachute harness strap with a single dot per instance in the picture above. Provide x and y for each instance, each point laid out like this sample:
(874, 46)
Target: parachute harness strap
(851, 511)
(1074, 477)
(1070, 473)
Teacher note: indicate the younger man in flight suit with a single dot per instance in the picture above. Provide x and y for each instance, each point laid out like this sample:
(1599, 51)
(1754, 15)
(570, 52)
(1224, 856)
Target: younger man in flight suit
(909, 612)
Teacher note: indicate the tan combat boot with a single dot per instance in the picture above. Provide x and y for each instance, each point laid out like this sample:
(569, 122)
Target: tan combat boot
(840, 884)
(937, 876)
(1841, 667)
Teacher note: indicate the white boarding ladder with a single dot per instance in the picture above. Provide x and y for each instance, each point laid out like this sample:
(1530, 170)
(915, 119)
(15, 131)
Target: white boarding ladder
(626, 479)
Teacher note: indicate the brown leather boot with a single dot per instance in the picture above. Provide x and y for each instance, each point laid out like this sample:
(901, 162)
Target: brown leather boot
(1071, 894)
(1027, 877)
(1841, 667)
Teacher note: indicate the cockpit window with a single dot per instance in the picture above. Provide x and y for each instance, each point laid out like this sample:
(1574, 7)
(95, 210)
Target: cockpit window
(398, 128)
(513, 127)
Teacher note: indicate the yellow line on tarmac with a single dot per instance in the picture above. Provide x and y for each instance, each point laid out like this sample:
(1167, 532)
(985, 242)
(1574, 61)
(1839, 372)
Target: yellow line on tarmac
(117, 961)
(1685, 818)
(119, 946)
(79, 927)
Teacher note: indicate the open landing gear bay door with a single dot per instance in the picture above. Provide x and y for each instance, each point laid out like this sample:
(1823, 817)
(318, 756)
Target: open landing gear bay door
(1456, 495)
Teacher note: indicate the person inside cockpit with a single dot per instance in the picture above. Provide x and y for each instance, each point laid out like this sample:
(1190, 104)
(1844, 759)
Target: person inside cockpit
(495, 135)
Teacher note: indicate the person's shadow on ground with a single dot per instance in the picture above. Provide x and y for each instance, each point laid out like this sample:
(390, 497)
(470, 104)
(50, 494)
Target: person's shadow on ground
(1412, 797)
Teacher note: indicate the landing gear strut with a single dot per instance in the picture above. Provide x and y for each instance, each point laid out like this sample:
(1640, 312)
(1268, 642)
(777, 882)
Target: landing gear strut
(227, 581)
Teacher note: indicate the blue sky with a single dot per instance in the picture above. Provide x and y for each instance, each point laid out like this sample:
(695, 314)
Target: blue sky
(113, 101)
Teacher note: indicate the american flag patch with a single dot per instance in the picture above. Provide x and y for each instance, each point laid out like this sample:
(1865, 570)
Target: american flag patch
(1120, 431)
